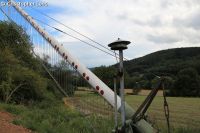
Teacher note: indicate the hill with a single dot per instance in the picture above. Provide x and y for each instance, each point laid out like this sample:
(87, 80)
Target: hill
(180, 67)
(165, 62)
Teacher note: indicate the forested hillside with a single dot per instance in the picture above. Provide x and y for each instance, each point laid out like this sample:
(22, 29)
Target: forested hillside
(166, 62)
(180, 67)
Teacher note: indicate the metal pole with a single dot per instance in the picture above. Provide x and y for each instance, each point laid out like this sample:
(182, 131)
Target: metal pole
(115, 90)
(121, 70)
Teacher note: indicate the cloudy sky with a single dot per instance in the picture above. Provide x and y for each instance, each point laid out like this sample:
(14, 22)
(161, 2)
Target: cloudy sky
(150, 25)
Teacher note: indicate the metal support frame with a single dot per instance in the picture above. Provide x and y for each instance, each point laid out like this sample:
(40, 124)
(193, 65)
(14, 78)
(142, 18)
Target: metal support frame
(121, 71)
(140, 112)
(115, 90)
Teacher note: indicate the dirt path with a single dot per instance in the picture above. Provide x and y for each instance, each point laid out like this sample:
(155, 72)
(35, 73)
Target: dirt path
(6, 125)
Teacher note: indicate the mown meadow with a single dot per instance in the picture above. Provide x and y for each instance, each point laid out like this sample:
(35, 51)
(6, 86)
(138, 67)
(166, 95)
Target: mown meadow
(184, 113)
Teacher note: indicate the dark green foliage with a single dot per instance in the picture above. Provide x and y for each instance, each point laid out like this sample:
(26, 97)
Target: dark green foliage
(106, 74)
(34, 86)
(187, 83)
(21, 79)
(16, 40)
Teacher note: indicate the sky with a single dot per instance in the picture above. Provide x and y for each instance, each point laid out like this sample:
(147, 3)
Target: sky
(150, 25)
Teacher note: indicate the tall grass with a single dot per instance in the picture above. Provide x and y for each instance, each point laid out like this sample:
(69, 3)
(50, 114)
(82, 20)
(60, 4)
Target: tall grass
(47, 117)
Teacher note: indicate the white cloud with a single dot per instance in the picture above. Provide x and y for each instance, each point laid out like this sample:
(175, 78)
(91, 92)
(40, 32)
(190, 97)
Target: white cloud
(150, 24)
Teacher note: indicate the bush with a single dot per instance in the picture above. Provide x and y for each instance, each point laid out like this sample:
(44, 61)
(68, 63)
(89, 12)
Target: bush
(187, 83)
(21, 74)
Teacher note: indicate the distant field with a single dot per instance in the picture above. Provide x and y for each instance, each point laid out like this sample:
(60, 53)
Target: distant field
(143, 92)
